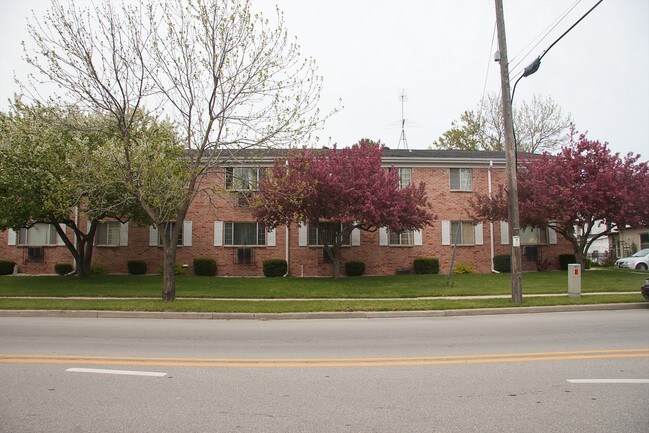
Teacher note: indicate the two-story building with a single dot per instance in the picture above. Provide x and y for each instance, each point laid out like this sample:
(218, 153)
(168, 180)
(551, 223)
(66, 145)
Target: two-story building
(220, 225)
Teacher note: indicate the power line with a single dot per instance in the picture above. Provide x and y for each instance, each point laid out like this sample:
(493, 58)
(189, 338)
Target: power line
(547, 32)
(534, 66)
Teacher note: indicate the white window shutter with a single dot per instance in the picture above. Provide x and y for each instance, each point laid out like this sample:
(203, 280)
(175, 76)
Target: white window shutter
(418, 237)
(11, 237)
(218, 233)
(446, 232)
(552, 236)
(303, 235)
(59, 239)
(504, 233)
(123, 234)
(479, 240)
(271, 238)
(383, 236)
(153, 236)
(356, 237)
(187, 233)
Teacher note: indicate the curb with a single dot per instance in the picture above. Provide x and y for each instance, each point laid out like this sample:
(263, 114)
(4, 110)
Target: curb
(99, 314)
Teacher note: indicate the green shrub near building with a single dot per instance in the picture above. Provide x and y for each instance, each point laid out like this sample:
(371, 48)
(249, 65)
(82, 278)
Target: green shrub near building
(63, 268)
(136, 267)
(205, 266)
(275, 267)
(503, 263)
(426, 265)
(7, 268)
(354, 268)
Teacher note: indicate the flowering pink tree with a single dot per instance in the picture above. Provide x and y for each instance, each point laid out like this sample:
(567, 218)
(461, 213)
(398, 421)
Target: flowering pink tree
(585, 185)
(346, 187)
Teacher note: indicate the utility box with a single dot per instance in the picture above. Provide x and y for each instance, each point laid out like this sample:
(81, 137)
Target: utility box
(574, 279)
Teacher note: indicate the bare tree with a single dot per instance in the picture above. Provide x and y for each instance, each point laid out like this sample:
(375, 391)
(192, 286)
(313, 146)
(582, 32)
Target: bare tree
(225, 77)
(540, 125)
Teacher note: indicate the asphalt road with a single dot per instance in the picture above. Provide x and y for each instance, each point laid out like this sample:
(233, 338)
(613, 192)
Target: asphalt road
(555, 372)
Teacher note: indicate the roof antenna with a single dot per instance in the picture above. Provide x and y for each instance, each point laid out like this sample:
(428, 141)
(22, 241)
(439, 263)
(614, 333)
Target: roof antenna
(402, 137)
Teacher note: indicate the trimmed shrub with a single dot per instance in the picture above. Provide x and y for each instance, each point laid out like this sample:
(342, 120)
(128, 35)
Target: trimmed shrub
(426, 265)
(7, 268)
(463, 268)
(565, 260)
(275, 267)
(136, 267)
(503, 263)
(205, 266)
(354, 268)
(63, 268)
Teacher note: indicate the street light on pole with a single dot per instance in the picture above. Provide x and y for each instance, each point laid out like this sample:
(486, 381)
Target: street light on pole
(511, 153)
(510, 156)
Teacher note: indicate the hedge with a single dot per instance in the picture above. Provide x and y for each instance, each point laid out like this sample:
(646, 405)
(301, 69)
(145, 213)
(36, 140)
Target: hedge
(503, 263)
(565, 260)
(205, 266)
(426, 265)
(275, 267)
(136, 267)
(7, 268)
(63, 268)
(354, 268)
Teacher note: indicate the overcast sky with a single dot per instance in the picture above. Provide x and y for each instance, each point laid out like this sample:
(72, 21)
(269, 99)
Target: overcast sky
(441, 53)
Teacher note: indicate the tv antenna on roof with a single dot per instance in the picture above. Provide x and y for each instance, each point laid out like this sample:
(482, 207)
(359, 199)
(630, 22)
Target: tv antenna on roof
(402, 137)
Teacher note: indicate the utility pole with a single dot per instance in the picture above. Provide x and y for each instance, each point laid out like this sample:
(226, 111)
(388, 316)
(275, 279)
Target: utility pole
(510, 155)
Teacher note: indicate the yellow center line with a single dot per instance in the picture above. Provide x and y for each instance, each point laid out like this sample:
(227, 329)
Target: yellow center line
(324, 362)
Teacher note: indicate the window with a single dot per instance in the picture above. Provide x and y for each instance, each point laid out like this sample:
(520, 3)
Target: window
(322, 234)
(405, 177)
(462, 233)
(461, 179)
(244, 234)
(401, 238)
(108, 234)
(242, 178)
(37, 235)
(534, 236)
(644, 240)
(169, 228)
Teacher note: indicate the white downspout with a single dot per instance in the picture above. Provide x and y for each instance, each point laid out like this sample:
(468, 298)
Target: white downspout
(491, 223)
(288, 264)
(76, 238)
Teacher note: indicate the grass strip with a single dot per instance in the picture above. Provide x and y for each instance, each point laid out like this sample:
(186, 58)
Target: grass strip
(222, 306)
(400, 286)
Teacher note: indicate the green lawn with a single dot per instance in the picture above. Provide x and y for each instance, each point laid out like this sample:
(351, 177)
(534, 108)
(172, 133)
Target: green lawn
(223, 306)
(402, 286)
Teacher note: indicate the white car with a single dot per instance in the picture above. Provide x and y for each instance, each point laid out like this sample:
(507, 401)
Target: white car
(639, 260)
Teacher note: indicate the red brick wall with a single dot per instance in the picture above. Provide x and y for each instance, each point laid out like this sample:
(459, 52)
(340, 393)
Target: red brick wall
(211, 206)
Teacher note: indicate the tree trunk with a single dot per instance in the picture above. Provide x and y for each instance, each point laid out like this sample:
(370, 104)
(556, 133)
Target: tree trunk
(336, 260)
(169, 274)
(82, 262)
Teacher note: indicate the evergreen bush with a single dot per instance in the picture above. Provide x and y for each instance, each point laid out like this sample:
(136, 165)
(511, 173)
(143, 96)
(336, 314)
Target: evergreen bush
(7, 268)
(136, 267)
(275, 267)
(205, 266)
(354, 268)
(503, 263)
(565, 260)
(426, 265)
(63, 268)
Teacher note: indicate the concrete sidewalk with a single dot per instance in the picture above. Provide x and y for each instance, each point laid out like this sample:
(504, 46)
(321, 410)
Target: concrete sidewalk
(422, 298)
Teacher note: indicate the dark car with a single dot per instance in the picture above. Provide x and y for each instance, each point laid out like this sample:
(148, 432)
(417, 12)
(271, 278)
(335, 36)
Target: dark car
(645, 289)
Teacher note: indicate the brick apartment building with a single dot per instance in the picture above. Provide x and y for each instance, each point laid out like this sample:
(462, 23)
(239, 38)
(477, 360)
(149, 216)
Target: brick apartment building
(221, 226)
